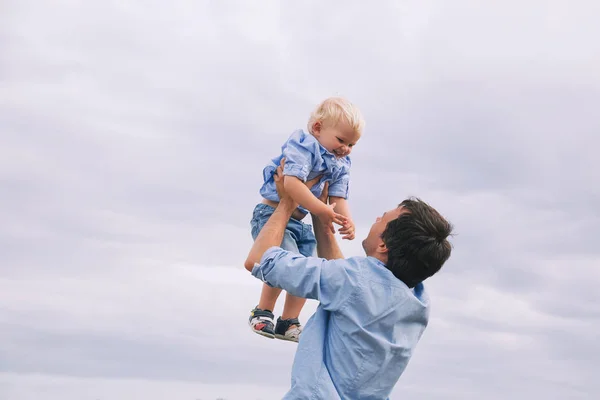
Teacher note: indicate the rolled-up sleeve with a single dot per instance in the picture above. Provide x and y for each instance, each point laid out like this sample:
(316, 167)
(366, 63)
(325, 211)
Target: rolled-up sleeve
(340, 187)
(299, 158)
(330, 282)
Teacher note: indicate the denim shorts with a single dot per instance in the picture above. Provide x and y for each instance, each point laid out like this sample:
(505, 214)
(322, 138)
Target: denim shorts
(298, 236)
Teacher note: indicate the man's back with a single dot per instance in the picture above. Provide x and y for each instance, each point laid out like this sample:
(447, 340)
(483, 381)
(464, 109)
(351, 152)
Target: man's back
(358, 345)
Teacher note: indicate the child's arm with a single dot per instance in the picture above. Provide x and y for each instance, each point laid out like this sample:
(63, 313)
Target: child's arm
(304, 197)
(299, 156)
(342, 207)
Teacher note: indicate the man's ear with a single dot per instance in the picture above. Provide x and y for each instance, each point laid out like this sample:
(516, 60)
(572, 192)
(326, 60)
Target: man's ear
(382, 248)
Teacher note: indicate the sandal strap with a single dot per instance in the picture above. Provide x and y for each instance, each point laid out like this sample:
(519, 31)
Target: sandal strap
(292, 321)
(262, 313)
(284, 324)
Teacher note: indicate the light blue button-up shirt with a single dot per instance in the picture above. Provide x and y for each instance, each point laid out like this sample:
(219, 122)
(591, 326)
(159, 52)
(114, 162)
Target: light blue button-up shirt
(362, 335)
(305, 159)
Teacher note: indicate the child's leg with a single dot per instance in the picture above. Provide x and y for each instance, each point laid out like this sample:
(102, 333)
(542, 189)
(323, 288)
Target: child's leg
(288, 325)
(262, 320)
(292, 307)
(268, 297)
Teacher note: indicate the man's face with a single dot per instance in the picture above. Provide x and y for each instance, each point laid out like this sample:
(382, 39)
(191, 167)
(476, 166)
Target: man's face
(373, 240)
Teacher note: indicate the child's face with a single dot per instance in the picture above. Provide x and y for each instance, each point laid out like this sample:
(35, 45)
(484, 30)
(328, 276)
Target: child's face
(338, 139)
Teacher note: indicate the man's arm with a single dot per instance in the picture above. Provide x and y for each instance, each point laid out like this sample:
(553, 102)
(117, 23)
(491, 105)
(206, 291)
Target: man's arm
(327, 246)
(272, 232)
(331, 283)
(341, 206)
(338, 194)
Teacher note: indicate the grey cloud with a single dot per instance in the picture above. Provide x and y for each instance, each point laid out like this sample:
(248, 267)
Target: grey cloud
(150, 322)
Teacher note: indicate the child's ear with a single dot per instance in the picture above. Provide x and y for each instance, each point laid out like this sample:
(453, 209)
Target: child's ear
(316, 128)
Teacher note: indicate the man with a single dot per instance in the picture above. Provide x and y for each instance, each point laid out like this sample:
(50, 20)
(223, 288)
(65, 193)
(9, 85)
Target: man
(372, 310)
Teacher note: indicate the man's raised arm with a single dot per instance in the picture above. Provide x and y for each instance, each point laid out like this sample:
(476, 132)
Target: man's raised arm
(327, 246)
(272, 232)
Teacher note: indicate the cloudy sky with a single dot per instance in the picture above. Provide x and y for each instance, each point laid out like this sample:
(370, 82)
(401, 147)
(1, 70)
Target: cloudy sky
(132, 138)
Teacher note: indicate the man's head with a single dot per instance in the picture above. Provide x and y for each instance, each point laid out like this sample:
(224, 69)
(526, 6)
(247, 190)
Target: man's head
(337, 124)
(412, 240)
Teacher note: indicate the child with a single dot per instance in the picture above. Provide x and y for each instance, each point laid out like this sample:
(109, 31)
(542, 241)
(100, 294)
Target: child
(333, 129)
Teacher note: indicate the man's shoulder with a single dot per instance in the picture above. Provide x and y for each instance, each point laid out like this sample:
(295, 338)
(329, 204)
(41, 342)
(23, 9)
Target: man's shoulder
(377, 272)
(358, 259)
(353, 262)
(357, 263)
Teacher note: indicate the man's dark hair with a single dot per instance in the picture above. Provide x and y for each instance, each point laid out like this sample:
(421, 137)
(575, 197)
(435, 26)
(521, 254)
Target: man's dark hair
(417, 242)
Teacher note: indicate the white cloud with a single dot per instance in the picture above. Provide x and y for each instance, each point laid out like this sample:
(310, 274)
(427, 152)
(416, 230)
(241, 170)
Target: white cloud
(52, 387)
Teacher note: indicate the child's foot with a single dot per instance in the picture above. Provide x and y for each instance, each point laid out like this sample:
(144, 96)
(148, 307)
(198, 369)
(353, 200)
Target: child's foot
(288, 329)
(261, 322)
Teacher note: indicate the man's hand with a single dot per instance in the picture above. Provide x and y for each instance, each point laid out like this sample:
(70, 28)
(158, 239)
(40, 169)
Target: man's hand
(325, 193)
(278, 177)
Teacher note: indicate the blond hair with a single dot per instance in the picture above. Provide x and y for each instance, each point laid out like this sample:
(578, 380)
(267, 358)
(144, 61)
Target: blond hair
(334, 109)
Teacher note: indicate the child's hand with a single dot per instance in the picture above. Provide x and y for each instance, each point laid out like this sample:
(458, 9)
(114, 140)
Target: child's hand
(347, 230)
(328, 217)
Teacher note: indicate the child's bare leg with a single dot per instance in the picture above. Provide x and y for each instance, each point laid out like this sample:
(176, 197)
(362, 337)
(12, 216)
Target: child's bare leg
(268, 297)
(292, 307)
(262, 320)
(288, 326)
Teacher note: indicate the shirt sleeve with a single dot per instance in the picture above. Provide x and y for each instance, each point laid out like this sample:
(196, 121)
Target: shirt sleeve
(331, 282)
(341, 186)
(299, 158)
